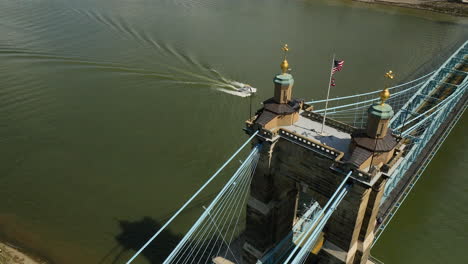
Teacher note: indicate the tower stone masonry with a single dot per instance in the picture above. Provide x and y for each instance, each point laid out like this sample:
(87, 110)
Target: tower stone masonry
(297, 160)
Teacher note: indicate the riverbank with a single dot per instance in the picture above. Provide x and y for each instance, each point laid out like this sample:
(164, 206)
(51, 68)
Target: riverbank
(441, 6)
(12, 255)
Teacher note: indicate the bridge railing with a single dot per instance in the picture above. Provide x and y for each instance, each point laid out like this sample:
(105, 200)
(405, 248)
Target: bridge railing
(428, 125)
(329, 122)
(454, 62)
(423, 125)
(433, 81)
(404, 194)
(311, 144)
(462, 52)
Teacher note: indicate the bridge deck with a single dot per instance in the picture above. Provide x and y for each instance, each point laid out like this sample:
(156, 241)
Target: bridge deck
(451, 81)
(441, 92)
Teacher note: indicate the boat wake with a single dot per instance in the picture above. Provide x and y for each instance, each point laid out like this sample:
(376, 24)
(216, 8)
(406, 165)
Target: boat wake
(233, 87)
(205, 77)
(238, 89)
(189, 72)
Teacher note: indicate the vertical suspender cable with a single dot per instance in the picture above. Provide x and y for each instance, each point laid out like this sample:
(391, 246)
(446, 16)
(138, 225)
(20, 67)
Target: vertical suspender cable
(195, 226)
(303, 253)
(319, 217)
(190, 200)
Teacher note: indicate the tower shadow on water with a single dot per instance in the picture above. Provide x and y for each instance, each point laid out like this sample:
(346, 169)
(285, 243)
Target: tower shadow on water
(134, 235)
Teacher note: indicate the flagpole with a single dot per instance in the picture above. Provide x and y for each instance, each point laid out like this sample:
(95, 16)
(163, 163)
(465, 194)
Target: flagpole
(328, 94)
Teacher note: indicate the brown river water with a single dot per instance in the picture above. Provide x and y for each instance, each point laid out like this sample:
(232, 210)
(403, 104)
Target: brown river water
(113, 112)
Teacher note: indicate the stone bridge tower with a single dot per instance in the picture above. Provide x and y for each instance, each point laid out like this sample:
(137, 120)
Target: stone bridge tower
(297, 161)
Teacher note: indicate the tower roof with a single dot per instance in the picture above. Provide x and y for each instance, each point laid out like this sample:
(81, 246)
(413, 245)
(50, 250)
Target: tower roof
(284, 79)
(381, 111)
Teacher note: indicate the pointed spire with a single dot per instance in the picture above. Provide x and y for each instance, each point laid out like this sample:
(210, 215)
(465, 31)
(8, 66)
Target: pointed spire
(380, 113)
(385, 94)
(285, 65)
(283, 81)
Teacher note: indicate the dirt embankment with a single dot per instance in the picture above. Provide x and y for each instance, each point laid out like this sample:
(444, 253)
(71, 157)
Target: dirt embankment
(12, 255)
(452, 7)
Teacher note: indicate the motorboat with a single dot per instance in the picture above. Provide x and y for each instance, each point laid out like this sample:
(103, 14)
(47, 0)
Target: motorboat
(244, 88)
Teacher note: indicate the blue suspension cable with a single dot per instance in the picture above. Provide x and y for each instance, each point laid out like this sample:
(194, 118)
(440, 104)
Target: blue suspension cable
(190, 200)
(232, 210)
(373, 92)
(366, 101)
(205, 231)
(319, 217)
(236, 203)
(217, 198)
(313, 237)
(224, 212)
(243, 202)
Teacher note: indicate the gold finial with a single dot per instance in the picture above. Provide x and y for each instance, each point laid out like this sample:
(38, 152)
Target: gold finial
(389, 75)
(285, 65)
(285, 48)
(385, 94)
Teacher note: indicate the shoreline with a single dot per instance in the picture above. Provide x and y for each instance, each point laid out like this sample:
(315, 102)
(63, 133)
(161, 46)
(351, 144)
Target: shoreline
(457, 9)
(10, 254)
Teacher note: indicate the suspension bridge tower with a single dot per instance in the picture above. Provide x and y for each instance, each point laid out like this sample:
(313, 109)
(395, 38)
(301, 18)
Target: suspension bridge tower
(320, 190)
(300, 167)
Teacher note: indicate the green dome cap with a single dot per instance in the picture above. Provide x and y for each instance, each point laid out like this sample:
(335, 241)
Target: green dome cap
(382, 111)
(284, 79)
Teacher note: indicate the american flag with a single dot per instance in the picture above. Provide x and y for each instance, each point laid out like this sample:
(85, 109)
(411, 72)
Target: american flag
(332, 83)
(337, 65)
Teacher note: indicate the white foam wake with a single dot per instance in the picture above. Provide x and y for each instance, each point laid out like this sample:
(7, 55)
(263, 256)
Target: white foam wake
(237, 88)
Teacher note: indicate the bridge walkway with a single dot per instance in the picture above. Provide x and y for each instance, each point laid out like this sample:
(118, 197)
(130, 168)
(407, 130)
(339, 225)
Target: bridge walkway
(407, 183)
(413, 174)
(440, 93)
